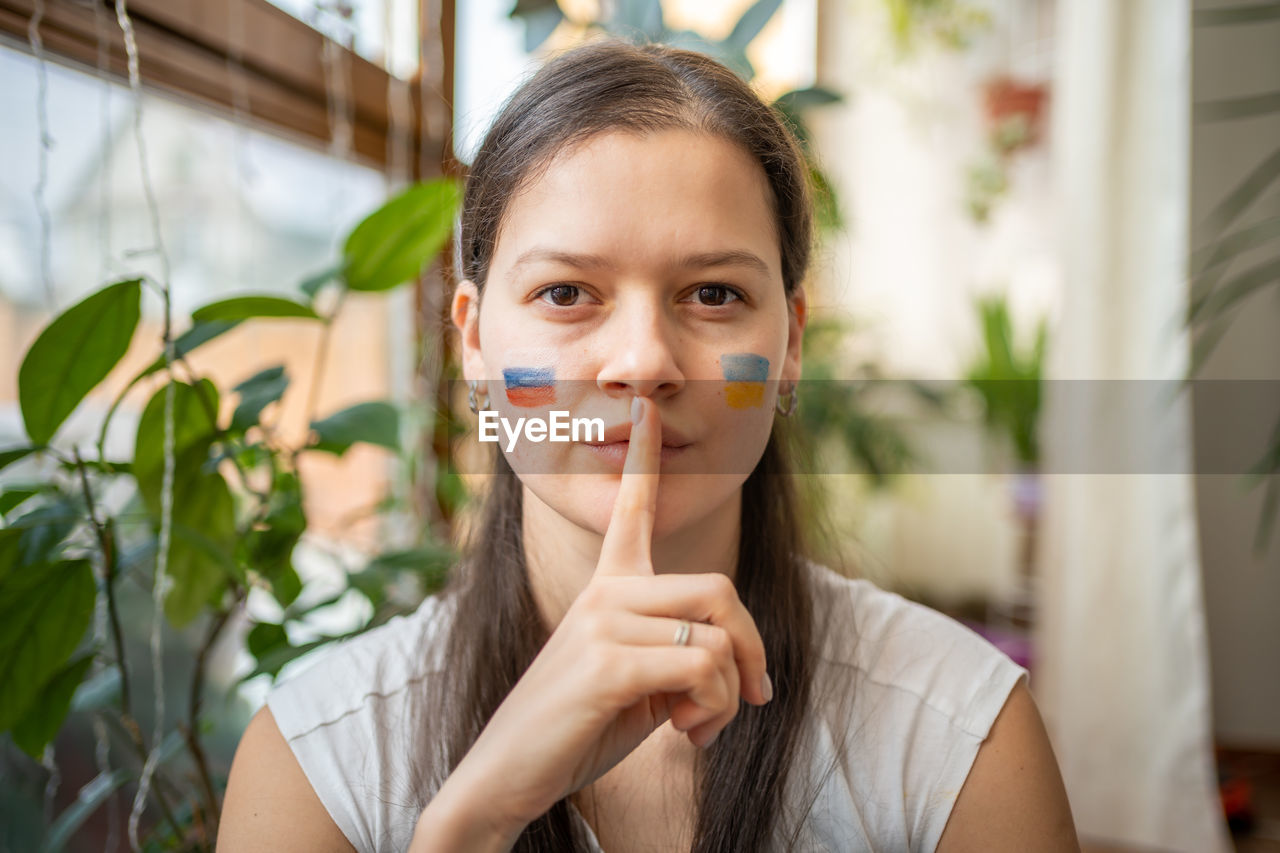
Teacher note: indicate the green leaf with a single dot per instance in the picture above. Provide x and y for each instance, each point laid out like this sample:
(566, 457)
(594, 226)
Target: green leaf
(200, 333)
(1244, 194)
(430, 563)
(11, 499)
(204, 539)
(829, 215)
(451, 491)
(44, 611)
(73, 354)
(690, 40)
(1209, 262)
(1226, 296)
(751, 23)
(284, 516)
(13, 454)
(268, 547)
(10, 549)
(240, 308)
(639, 20)
(265, 637)
(195, 409)
(376, 422)
(424, 559)
(256, 393)
(274, 660)
(1229, 109)
(200, 561)
(395, 242)
(44, 528)
(91, 796)
(540, 18)
(793, 105)
(39, 725)
(311, 284)
(99, 691)
(286, 586)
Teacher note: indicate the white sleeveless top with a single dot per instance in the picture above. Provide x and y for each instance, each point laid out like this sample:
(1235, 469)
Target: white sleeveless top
(920, 692)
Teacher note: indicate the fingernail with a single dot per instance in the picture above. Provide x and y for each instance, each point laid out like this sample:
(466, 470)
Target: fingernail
(766, 687)
(637, 410)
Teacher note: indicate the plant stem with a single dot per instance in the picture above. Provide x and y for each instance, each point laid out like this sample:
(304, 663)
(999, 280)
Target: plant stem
(322, 353)
(192, 733)
(134, 737)
(106, 541)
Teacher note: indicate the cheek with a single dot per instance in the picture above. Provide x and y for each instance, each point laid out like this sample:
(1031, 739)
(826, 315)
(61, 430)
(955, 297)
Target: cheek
(540, 377)
(745, 374)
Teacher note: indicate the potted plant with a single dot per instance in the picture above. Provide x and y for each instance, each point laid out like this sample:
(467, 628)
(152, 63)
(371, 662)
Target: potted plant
(216, 511)
(1008, 380)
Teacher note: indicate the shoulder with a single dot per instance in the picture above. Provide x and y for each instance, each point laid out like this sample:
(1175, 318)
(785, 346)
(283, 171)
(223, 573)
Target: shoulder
(348, 719)
(1014, 797)
(269, 804)
(907, 695)
(360, 673)
(898, 644)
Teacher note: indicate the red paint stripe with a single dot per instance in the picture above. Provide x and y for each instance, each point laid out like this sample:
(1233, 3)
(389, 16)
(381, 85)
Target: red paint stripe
(531, 397)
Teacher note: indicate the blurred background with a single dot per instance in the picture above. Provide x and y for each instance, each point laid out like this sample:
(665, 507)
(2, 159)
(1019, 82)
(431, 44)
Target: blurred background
(1042, 371)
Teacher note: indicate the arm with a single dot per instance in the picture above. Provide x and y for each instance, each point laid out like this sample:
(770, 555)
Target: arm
(270, 805)
(1013, 798)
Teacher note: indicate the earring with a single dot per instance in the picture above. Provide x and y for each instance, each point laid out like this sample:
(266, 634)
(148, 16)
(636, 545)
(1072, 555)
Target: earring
(472, 387)
(793, 402)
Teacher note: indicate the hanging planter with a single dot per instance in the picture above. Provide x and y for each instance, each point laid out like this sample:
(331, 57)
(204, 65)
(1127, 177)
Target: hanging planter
(1014, 112)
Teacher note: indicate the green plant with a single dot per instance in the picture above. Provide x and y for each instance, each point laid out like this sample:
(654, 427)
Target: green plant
(952, 23)
(216, 511)
(642, 21)
(1218, 287)
(837, 413)
(1009, 381)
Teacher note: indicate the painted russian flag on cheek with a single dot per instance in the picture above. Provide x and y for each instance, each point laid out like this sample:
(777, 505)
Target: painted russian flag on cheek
(530, 387)
(745, 374)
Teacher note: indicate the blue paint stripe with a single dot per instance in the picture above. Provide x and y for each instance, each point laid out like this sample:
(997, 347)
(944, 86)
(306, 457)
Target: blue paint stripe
(528, 377)
(744, 367)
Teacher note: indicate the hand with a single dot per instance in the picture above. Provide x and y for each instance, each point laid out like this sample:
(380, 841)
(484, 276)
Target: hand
(610, 672)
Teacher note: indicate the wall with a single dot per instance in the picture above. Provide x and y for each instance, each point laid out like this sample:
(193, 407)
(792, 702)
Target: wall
(1242, 592)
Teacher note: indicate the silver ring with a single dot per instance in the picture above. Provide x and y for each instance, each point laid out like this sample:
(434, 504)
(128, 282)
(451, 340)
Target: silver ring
(683, 630)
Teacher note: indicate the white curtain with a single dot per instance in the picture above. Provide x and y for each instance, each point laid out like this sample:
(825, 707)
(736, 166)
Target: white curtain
(1122, 673)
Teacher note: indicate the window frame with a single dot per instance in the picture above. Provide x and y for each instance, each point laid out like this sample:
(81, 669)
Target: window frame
(274, 77)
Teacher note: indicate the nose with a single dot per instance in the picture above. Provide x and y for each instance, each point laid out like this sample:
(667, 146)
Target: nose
(638, 345)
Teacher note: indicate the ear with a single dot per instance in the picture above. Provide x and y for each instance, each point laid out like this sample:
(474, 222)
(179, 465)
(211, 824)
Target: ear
(465, 313)
(797, 317)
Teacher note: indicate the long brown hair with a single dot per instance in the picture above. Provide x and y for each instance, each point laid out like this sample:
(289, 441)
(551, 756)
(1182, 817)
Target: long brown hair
(608, 85)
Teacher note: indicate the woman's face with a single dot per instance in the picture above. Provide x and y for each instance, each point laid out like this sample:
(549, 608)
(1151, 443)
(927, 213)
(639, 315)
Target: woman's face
(637, 266)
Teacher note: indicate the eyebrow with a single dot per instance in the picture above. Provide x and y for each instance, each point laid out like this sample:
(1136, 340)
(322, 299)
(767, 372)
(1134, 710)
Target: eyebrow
(730, 257)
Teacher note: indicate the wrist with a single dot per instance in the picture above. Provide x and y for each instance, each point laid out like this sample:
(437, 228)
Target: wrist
(456, 819)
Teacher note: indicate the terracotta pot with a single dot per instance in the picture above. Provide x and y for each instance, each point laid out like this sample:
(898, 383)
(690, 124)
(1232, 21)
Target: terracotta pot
(1005, 98)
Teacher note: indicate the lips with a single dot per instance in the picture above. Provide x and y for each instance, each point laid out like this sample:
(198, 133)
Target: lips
(615, 453)
(621, 433)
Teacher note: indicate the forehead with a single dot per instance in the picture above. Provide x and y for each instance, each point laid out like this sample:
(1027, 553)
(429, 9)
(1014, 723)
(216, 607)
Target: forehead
(642, 200)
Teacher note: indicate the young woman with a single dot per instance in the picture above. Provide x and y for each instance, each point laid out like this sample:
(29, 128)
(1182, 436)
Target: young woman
(634, 653)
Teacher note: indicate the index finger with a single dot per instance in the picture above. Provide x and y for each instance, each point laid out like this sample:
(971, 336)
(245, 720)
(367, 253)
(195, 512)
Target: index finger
(627, 542)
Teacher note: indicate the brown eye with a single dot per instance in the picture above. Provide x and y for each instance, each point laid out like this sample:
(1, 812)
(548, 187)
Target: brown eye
(715, 294)
(561, 294)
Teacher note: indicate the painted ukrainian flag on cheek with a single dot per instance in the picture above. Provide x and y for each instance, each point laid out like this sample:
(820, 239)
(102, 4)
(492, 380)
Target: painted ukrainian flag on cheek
(530, 387)
(745, 374)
